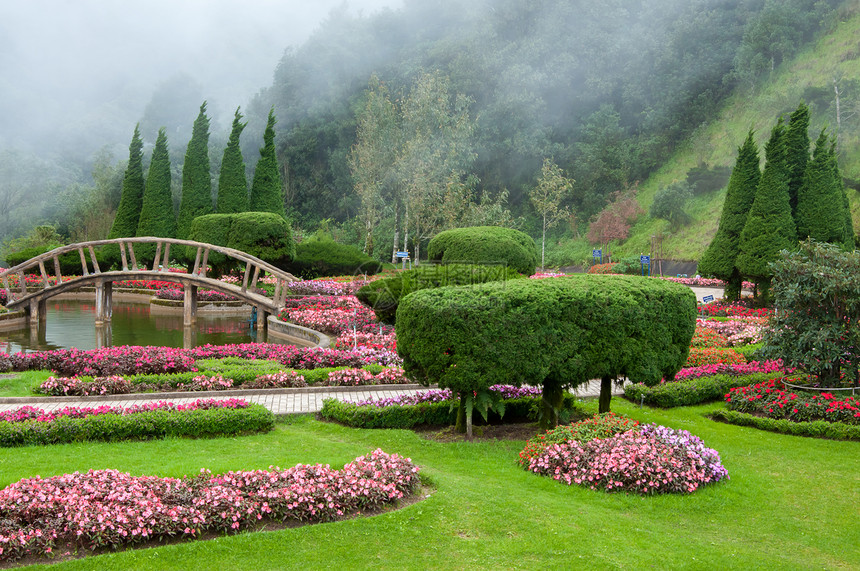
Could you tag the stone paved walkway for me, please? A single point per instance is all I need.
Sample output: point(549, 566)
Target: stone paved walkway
point(279, 401)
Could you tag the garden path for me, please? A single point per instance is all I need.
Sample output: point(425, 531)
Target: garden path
point(279, 401)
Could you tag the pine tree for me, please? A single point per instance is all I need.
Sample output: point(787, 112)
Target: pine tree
point(797, 152)
point(820, 213)
point(267, 191)
point(769, 227)
point(847, 241)
point(196, 179)
point(719, 260)
point(232, 184)
point(128, 212)
point(156, 214)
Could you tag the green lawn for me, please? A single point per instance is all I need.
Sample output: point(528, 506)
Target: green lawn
point(791, 503)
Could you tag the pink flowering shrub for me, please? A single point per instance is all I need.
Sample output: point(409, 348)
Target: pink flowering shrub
point(205, 383)
point(350, 377)
point(375, 340)
point(284, 379)
point(736, 331)
point(110, 509)
point(652, 460)
point(506, 392)
point(174, 294)
point(74, 386)
point(731, 369)
point(26, 413)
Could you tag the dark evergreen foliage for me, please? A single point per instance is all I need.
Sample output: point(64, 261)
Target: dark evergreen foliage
point(769, 227)
point(267, 190)
point(196, 179)
point(719, 260)
point(321, 256)
point(232, 184)
point(128, 213)
point(559, 332)
point(820, 210)
point(797, 152)
point(156, 215)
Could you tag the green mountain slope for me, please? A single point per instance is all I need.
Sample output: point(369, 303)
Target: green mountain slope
point(810, 77)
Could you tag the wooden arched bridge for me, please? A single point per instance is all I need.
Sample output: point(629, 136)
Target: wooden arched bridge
point(18, 296)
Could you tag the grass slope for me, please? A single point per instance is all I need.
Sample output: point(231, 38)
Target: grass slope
point(809, 76)
point(790, 504)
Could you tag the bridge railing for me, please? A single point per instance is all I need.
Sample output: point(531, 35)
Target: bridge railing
point(251, 274)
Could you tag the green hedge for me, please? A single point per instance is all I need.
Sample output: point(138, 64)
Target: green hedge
point(139, 426)
point(814, 429)
point(750, 352)
point(562, 331)
point(486, 245)
point(261, 234)
point(428, 414)
point(320, 256)
point(383, 296)
point(70, 262)
point(693, 391)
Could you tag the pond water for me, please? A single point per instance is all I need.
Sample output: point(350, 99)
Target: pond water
point(71, 323)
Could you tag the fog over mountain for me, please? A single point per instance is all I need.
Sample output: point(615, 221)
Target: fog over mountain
point(76, 75)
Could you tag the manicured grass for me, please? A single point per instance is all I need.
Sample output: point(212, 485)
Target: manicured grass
point(791, 503)
point(22, 384)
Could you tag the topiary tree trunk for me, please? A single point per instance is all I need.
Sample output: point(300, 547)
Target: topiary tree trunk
point(605, 394)
point(552, 399)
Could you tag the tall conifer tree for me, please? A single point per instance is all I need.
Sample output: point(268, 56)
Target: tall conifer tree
point(128, 212)
point(232, 184)
point(769, 227)
point(820, 213)
point(196, 179)
point(797, 152)
point(842, 197)
point(267, 190)
point(156, 215)
point(720, 258)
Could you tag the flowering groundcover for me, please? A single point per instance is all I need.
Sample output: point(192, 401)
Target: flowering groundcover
point(109, 509)
point(772, 400)
point(647, 460)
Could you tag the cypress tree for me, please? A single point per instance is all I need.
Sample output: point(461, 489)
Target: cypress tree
point(128, 211)
point(842, 198)
point(232, 185)
point(156, 213)
point(720, 258)
point(769, 227)
point(820, 213)
point(196, 182)
point(797, 152)
point(267, 191)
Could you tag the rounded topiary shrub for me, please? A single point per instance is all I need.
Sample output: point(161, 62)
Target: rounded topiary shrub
point(486, 245)
point(383, 296)
point(321, 256)
point(263, 235)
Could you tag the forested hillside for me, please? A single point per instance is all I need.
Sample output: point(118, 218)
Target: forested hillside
point(609, 91)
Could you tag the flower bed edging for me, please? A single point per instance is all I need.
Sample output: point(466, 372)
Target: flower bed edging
point(814, 429)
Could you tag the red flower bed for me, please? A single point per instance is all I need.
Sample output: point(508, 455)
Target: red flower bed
point(773, 400)
point(712, 356)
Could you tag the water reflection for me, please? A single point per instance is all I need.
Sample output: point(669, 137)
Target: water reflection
point(71, 323)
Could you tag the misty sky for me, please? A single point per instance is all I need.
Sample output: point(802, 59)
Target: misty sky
point(81, 60)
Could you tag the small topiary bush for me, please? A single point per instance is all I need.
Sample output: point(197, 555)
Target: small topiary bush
point(485, 245)
point(384, 295)
point(321, 256)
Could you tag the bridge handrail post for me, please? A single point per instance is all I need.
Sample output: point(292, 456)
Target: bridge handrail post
point(122, 256)
point(83, 261)
point(155, 262)
point(96, 269)
point(57, 269)
point(134, 267)
point(197, 260)
point(44, 273)
point(166, 255)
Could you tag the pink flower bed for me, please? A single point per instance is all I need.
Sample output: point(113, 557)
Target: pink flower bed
point(349, 340)
point(735, 369)
point(335, 315)
point(439, 395)
point(108, 508)
point(737, 331)
point(654, 459)
point(26, 413)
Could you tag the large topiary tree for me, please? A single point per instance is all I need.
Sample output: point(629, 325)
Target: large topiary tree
point(797, 152)
point(156, 214)
point(820, 207)
point(769, 227)
point(719, 260)
point(232, 184)
point(196, 178)
point(128, 212)
point(485, 245)
point(267, 189)
point(558, 333)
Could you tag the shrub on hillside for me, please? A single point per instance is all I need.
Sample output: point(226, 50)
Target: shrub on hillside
point(383, 296)
point(485, 245)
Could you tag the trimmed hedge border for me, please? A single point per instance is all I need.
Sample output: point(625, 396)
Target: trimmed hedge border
point(814, 429)
point(201, 423)
point(427, 413)
point(693, 391)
